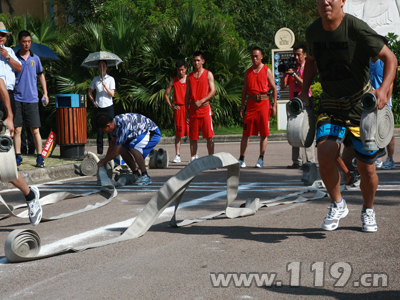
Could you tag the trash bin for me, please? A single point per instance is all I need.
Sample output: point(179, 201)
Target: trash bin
point(71, 125)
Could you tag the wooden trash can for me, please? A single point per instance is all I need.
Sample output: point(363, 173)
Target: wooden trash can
point(71, 131)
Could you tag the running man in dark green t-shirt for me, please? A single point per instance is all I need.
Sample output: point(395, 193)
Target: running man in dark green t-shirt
point(340, 48)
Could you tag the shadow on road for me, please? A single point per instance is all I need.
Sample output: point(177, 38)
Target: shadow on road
point(310, 291)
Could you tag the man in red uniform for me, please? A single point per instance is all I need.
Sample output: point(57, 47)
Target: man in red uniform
point(257, 82)
point(199, 92)
point(178, 83)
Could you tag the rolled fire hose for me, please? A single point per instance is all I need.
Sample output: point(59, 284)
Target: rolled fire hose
point(3, 126)
point(8, 170)
point(301, 123)
point(376, 125)
point(89, 167)
point(158, 159)
point(24, 245)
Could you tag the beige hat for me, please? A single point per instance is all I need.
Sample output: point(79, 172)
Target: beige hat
point(3, 28)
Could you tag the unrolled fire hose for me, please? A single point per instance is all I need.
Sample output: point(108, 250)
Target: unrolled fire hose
point(301, 123)
point(376, 125)
point(24, 245)
point(8, 170)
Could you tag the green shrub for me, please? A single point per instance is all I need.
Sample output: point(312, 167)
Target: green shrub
point(316, 91)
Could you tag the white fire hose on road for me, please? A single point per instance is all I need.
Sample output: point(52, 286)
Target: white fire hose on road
point(24, 245)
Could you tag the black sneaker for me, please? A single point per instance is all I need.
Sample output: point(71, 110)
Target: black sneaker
point(40, 162)
point(294, 166)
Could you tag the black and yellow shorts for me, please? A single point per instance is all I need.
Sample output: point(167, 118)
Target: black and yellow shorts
point(334, 128)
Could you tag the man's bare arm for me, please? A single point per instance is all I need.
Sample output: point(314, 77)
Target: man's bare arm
point(211, 93)
point(244, 95)
point(5, 98)
point(90, 94)
point(43, 83)
point(166, 94)
point(112, 152)
point(274, 91)
point(389, 73)
point(283, 82)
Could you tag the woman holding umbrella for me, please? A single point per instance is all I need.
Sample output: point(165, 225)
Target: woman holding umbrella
point(104, 85)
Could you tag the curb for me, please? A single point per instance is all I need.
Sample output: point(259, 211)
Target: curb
point(37, 176)
point(231, 138)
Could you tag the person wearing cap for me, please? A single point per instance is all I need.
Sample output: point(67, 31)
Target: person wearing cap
point(9, 64)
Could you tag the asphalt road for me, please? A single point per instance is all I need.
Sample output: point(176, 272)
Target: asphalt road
point(281, 251)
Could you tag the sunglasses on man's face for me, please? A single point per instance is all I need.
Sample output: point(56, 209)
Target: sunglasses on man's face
point(3, 34)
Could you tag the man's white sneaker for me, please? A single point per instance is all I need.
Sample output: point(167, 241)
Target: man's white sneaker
point(388, 164)
point(242, 163)
point(34, 207)
point(177, 159)
point(331, 221)
point(260, 163)
point(378, 163)
point(143, 180)
point(368, 220)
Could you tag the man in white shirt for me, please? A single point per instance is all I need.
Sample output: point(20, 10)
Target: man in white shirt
point(104, 85)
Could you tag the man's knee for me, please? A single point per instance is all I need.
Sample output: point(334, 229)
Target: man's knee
point(366, 170)
point(17, 131)
point(245, 138)
point(35, 131)
point(327, 152)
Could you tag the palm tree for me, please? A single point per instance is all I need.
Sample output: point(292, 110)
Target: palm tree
point(154, 67)
point(9, 4)
point(118, 34)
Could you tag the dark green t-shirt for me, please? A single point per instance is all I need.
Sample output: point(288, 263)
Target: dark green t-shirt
point(343, 55)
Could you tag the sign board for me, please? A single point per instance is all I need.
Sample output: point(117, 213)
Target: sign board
point(278, 56)
point(284, 40)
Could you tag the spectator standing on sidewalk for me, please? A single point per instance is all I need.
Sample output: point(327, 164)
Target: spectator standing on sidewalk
point(104, 85)
point(178, 83)
point(200, 89)
point(294, 78)
point(26, 96)
point(258, 81)
point(9, 64)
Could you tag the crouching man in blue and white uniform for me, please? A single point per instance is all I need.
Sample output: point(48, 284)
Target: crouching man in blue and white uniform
point(132, 135)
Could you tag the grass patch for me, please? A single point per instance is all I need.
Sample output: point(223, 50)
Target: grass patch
point(29, 161)
point(223, 130)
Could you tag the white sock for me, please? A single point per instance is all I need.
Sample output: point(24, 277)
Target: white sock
point(340, 204)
